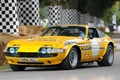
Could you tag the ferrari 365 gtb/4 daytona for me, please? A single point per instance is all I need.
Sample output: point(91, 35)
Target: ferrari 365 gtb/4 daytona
point(63, 45)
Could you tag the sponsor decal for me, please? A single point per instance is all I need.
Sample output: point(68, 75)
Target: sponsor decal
point(70, 42)
point(84, 46)
point(46, 39)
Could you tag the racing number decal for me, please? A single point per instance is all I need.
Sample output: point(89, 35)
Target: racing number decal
point(95, 47)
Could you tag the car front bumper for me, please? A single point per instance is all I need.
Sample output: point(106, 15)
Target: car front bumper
point(46, 61)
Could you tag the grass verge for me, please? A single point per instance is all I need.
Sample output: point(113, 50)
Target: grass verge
point(110, 33)
point(4, 67)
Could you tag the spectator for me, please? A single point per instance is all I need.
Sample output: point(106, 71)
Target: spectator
point(119, 29)
point(44, 24)
point(90, 23)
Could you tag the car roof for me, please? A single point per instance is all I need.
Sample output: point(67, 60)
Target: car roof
point(66, 25)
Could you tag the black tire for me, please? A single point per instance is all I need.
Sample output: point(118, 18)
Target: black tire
point(17, 67)
point(71, 61)
point(108, 57)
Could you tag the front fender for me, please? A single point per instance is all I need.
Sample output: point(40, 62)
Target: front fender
point(68, 48)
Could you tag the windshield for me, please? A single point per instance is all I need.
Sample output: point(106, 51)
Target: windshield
point(65, 31)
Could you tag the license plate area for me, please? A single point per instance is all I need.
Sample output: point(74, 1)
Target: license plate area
point(28, 59)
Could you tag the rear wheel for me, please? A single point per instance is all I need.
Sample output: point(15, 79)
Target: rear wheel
point(17, 67)
point(108, 57)
point(71, 61)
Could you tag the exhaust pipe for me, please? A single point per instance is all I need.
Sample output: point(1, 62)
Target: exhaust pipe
point(100, 59)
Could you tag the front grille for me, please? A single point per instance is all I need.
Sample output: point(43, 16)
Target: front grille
point(28, 55)
point(36, 55)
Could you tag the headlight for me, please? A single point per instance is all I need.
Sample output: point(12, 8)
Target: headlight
point(12, 51)
point(58, 50)
point(45, 50)
point(49, 50)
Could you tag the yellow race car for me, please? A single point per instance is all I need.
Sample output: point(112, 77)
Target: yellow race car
point(62, 45)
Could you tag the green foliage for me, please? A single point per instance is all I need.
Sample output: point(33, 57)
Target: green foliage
point(110, 33)
point(66, 4)
point(94, 7)
point(42, 5)
point(4, 67)
point(52, 2)
point(110, 11)
point(70, 4)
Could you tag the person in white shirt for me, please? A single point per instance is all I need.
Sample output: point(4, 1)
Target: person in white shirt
point(119, 29)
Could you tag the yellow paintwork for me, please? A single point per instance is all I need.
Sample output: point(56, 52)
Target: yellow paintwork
point(33, 45)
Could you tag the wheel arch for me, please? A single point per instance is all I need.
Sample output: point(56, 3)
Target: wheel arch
point(77, 48)
point(110, 43)
point(79, 52)
point(105, 60)
point(65, 64)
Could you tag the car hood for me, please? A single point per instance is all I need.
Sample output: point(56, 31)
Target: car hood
point(35, 43)
point(54, 40)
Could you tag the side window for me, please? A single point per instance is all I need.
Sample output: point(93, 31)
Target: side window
point(93, 32)
point(101, 34)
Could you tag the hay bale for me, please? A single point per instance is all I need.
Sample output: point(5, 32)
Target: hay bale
point(4, 39)
point(2, 55)
point(24, 32)
point(30, 30)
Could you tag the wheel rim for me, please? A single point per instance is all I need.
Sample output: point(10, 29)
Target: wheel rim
point(73, 58)
point(110, 56)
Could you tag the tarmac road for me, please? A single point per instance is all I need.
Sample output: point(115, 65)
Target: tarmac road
point(91, 72)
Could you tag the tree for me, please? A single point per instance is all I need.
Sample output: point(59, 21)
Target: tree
point(42, 5)
point(110, 11)
point(94, 7)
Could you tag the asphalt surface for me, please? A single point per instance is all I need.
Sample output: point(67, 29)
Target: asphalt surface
point(91, 72)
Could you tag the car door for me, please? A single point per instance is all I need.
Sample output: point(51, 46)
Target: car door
point(96, 42)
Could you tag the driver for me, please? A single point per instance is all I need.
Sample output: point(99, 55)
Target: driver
point(81, 34)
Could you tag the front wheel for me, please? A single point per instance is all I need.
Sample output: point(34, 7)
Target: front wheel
point(17, 67)
point(71, 61)
point(108, 57)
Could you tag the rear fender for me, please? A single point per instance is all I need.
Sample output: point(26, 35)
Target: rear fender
point(106, 47)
